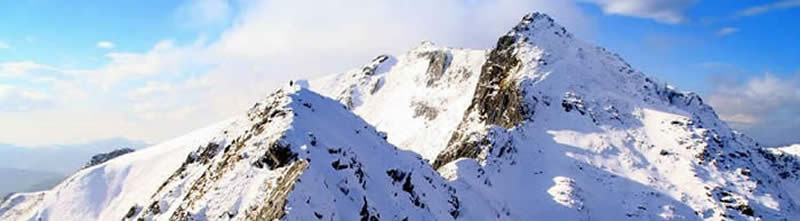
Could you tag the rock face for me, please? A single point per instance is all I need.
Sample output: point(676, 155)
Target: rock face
point(438, 63)
point(543, 126)
point(497, 99)
point(103, 157)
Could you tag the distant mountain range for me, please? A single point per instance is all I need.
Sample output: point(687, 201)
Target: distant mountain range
point(19, 180)
point(39, 168)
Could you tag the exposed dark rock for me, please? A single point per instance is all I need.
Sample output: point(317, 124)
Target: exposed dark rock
point(365, 214)
point(348, 102)
point(497, 100)
point(337, 165)
point(370, 69)
point(422, 109)
point(744, 172)
point(131, 212)
point(438, 62)
point(746, 210)
point(464, 73)
point(335, 151)
point(408, 186)
point(313, 138)
point(273, 206)
point(383, 135)
point(278, 155)
point(155, 208)
point(377, 85)
point(571, 102)
point(464, 149)
point(786, 165)
point(205, 154)
point(456, 206)
point(359, 173)
point(396, 175)
point(103, 157)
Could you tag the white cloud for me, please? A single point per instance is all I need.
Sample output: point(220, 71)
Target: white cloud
point(290, 33)
point(16, 99)
point(162, 58)
point(727, 31)
point(151, 87)
point(665, 11)
point(761, 9)
point(21, 68)
point(763, 106)
point(105, 44)
point(201, 13)
point(5, 90)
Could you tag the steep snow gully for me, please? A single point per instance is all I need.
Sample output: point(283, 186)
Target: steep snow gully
point(541, 127)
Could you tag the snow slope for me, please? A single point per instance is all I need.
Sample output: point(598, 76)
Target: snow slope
point(283, 157)
point(543, 126)
point(420, 96)
point(105, 191)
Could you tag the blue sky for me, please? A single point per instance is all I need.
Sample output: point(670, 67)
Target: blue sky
point(66, 32)
point(687, 53)
point(84, 70)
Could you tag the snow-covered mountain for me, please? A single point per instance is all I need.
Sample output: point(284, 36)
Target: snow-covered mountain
point(543, 126)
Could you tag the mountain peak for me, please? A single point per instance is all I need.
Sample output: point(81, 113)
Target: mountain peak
point(538, 25)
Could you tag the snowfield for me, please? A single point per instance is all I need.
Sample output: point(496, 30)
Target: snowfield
point(104, 191)
point(541, 127)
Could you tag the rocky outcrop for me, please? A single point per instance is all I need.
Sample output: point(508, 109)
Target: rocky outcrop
point(497, 99)
point(273, 207)
point(786, 165)
point(103, 157)
point(424, 110)
point(277, 155)
point(438, 62)
point(366, 82)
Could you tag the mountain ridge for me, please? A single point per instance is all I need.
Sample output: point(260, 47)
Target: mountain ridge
point(543, 125)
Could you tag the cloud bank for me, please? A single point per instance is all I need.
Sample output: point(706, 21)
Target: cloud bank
point(765, 107)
